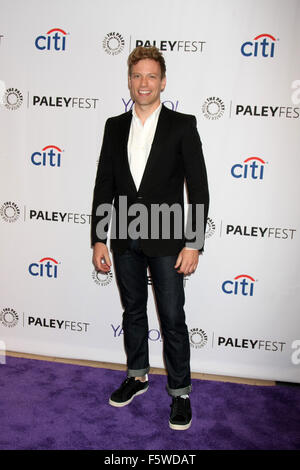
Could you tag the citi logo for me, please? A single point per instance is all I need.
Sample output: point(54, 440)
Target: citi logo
point(49, 156)
point(242, 284)
point(55, 39)
point(251, 168)
point(259, 48)
point(46, 267)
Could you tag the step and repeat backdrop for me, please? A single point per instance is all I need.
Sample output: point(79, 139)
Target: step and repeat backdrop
point(235, 66)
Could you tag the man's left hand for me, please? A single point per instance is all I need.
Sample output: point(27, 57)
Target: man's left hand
point(187, 261)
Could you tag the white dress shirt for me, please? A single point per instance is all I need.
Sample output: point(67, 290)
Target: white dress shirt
point(139, 143)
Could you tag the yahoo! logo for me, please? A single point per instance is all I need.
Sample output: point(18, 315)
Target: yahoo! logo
point(55, 39)
point(46, 267)
point(49, 156)
point(173, 105)
point(153, 334)
point(251, 168)
point(264, 48)
point(242, 284)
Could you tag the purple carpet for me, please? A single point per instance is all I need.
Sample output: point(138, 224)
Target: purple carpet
point(48, 405)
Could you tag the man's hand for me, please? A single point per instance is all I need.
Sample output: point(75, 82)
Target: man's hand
point(101, 257)
point(187, 261)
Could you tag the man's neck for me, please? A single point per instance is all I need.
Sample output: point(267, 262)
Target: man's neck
point(143, 112)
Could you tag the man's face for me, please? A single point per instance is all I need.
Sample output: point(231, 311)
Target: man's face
point(145, 83)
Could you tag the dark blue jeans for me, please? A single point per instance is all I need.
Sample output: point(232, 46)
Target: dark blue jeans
point(131, 273)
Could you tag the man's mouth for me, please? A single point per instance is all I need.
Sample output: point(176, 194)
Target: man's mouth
point(144, 92)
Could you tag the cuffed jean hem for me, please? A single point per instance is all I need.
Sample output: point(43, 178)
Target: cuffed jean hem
point(176, 392)
point(138, 372)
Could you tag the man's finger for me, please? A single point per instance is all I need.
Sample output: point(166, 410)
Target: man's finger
point(106, 260)
point(178, 261)
point(183, 268)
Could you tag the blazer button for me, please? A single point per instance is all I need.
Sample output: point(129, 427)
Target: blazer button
point(140, 197)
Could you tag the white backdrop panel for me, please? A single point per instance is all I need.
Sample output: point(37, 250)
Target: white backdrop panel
point(242, 304)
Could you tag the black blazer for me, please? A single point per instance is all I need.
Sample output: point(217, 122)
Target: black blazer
point(176, 156)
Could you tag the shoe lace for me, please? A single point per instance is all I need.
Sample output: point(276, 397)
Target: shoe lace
point(178, 406)
point(128, 380)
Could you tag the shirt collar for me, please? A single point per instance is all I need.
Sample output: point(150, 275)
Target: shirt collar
point(152, 115)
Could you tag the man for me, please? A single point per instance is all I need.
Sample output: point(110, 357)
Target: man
point(146, 155)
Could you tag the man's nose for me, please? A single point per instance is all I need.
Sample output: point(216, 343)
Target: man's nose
point(144, 81)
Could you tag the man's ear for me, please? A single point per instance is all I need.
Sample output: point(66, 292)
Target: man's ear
point(163, 83)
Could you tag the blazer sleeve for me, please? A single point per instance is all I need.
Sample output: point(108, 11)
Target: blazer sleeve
point(104, 190)
point(197, 184)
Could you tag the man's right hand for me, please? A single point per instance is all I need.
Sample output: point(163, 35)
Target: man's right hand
point(101, 259)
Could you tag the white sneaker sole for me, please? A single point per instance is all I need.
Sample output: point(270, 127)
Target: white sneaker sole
point(124, 403)
point(180, 427)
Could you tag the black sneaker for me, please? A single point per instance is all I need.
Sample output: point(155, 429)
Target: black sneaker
point(129, 389)
point(181, 413)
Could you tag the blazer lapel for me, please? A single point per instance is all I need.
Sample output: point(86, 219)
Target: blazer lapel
point(124, 135)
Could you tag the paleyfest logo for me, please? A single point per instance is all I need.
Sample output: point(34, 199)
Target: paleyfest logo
point(278, 233)
point(188, 46)
point(213, 108)
point(102, 279)
point(198, 338)
point(210, 228)
point(10, 98)
point(266, 111)
point(9, 211)
point(71, 102)
point(113, 43)
point(9, 317)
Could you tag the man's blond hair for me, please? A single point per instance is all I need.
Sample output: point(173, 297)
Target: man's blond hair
point(140, 53)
